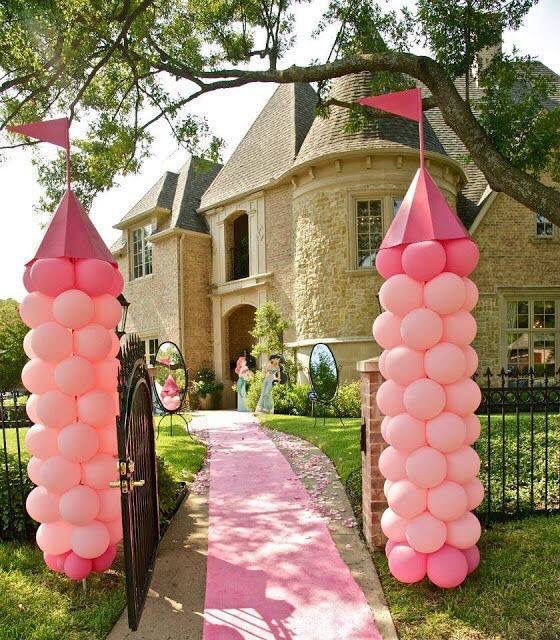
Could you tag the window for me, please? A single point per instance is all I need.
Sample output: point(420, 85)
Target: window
point(151, 346)
point(396, 204)
point(532, 336)
point(545, 229)
point(141, 252)
point(369, 231)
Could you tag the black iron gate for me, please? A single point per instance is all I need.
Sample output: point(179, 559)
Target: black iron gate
point(138, 476)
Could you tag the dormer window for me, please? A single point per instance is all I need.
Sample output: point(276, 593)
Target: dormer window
point(545, 229)
point(141, 251)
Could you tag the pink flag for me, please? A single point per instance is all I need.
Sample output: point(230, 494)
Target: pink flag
point(407, 104)
point(53, 131)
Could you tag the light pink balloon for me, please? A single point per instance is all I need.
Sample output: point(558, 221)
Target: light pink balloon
point(51, 342)
point(463, 532)
point(461, 256)
point(400, 294)
point(388, 261)
point(40, 441)
point(118, 283)
point(471, 361)
point(54, 537)
point(90, 540)
point(42, 505)
point(406, 564)
point(93, 342)
point(106, 373)
point(56, 409)
point(406, 433)
point(96, 408)
point(108, 441)
point(383, 427)
point(73, 309)
point(389, 546)
point(115, 345)
point(108, 311)
point(445, 363)
point(390, 398)
point(75, 375)
point(27, 345)
point(423, 260)
point(38, 376)
point(393, 526)
point(105, 560)
point(406, 499)
point(462, 465)
point(77, 568)
point(475, 493)
point(405, 365)
point(27, 280)
point(424, 399)
point(79, 505)
point(462, 397)
point(472, 556)
point(426, 467)
point(392, 464)
point(58, 474)
point(445, 293)
point(381, 361)
point(387, 330)
point(31, 407)
point(52, 276)
point(459, 328)
point(447, 501)
point(35, 309)
point(115, 530)
point(95, 277)
point(100, 471)
point(421, 329)
point(78, 442)
point(55, 563)
point(471, 297)
point(473, 428)
point(447, 568)
point(446, 432)
point(109, 505)
point(386, 486)
point(425, 533)
point(34, 467)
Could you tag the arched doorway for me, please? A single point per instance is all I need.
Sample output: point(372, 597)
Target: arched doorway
point(238, 325)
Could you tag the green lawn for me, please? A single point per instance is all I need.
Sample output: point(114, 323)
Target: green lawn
point(183, 455)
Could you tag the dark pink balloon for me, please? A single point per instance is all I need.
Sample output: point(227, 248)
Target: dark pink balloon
point(95, 277)
point(117, 285)
point(55, 562)
point(76, 567)
point(388, 261)
point(52, 276)
point(105, 560)
point(461, 256)
point(447, 567)
point(472, 556)
point(27, 280)
point(423, 260)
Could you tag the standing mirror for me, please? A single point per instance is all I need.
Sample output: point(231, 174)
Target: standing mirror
point(170, 379)
point(323, 374)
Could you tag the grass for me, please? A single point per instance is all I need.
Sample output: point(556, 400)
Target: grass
point(183, 455)
point(513, 594)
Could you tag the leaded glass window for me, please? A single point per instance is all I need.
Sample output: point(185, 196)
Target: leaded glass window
point(369, 231)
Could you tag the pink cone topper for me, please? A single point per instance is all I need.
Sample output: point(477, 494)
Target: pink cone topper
point(428, 397)
point(74, 281)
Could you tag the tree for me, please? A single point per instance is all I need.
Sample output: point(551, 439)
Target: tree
point(268, 330)
point(12, 355)
point(120, 67)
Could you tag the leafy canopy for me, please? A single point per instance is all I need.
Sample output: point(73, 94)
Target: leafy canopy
point(268, 330)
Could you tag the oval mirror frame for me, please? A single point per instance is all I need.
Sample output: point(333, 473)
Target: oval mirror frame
point(322, 348)
point(170, 378)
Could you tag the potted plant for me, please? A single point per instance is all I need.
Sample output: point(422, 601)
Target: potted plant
point(207, 388)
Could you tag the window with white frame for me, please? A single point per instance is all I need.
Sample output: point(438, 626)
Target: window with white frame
point(141, 251)
point(151, 346)
point(545, 229)
point(369, 231)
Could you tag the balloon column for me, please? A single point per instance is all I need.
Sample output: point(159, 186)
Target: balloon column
point(72, 311)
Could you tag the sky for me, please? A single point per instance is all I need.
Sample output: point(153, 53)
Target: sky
point(229, 114)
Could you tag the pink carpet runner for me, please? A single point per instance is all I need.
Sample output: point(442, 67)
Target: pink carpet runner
point(274, 572)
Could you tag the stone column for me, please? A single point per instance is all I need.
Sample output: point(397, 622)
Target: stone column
point(373, 498)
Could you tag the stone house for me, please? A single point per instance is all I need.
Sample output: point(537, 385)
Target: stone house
point(296, 216)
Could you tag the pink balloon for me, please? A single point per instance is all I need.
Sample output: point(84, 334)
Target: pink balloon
point(406, 564)
point(447, 568)
point(423, 260)
point(108, 311)
point(34, 467)
point(393, 526)
point(92, 342)
point(388, 261)
point(445, 293)
point(38, 376)
point(56, 409)
point(35, 309)
point(463, 532)
point(109, 505)
point(95, 277)
point(51, 342)
point(426, 467)
point(77, 568)
point(96, 408)
point(105, 560)
point(424, 399)
point(461, 256)
point(54, 537)
point(73, 309)
point(90, 540)
point(445, 363)
point(100, 471)
point(462, 465)
point(406, 433)
point(462, 397)
point(78, 442)
point(117, 285)
point(55, 563)
point(459, 328)
point(387, 330)
point(42, 505)
point(382, 360)
point(27, 345)
point(405, 365)
point(115, 530)
point(31, 407)
point(425, 533)
point(74, 375)
point(115, 345)
point(27, 280)
point(383, 427)
point(108, 441)
point(471, 297)
point(447, 501)
point(400, 294)
point(392, 464)
point(106, 373)
point(390, 398)
point(406, 499)
point(386, 486)
point(472, 556)
point(40, 441)
point(52, 276)
point(446, 432)
point(475, 493)
point(473, 428)
point(421, 329)
point(471, 361)
point(79, 505)
point(389, 546)
point(58, 474)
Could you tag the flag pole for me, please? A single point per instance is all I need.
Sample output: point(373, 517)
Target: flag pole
point(421, 129)
point(68, 156)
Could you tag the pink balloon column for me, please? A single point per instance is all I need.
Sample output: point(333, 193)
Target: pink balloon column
point(72, 311)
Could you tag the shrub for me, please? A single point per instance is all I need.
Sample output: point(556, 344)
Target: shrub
point(348, 400)
point(254, 391)
point(205, 383)
point(13, 517)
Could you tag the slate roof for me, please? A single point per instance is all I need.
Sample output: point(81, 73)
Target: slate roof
point(160, 195)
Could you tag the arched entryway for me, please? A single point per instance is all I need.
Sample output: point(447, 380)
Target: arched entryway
point(238, 325)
